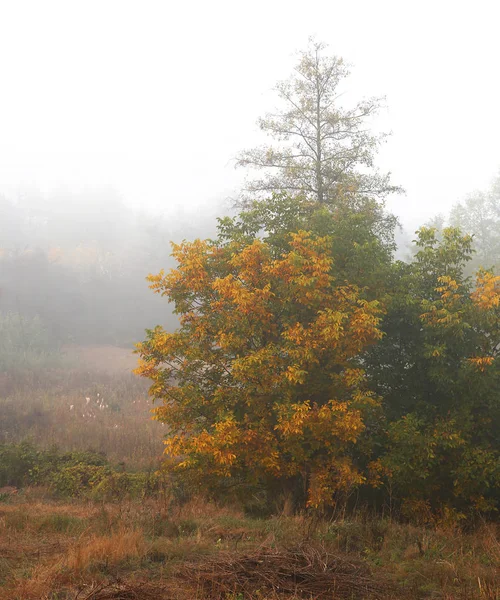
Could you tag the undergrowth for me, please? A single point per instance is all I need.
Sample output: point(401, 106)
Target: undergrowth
point(54, 549)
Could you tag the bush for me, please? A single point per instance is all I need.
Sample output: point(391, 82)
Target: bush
point(115, 486)
point(73, 474)
point(16, 463)
point(77, 480)
point(67, 473)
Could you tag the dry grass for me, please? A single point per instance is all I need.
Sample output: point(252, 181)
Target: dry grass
point(83, 406)
point(105, 550)
point(195, 551)
point(307, 571)
point(80, 559)
point(144, 590)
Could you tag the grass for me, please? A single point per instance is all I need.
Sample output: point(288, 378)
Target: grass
point(57, 550)
point(83, 407)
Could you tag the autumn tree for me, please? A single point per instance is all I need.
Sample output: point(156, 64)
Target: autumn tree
point(323, 151)
point(262, 381)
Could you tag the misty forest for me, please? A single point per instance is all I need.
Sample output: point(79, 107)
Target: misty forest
point(289, 394)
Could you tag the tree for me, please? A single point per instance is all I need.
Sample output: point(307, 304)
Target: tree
point(325, 152)
point(262, 382)
point(437, 368)
point(479, 215)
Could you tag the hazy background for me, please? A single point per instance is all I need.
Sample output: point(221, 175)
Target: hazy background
point(120, 121)
point(154, 98)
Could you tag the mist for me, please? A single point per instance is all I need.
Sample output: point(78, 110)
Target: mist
point(121, 127)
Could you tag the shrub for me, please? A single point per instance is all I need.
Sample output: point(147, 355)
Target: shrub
point(16, 462)
point(77, 480)
point(115, 486)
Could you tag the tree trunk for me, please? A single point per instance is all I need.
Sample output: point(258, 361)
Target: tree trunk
point(319, 153)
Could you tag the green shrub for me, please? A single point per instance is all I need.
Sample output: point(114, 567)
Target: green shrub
point(77, 480)
point(74, 474)
point(16, 462)
point(116, 486)
point(69, 473)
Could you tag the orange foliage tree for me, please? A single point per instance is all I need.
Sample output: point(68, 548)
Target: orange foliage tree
point(262, 381)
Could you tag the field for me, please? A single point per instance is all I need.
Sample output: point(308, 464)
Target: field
point(161, 546)
point(154, 549)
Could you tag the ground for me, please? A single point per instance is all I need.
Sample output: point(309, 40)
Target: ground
point(159, 549)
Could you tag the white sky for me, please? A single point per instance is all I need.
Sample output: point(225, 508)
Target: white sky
point(156, 97)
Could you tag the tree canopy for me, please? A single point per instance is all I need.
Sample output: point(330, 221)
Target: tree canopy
point(437, 370)
point(262, 378)
point(295, 370)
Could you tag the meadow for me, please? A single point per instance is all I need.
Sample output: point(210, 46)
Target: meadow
point(87, 397)
point(158, 549)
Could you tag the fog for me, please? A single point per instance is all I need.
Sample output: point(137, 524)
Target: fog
point(120, 123)
point(155, 99)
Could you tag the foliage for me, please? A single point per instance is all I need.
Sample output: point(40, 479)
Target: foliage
point(16, 461)
point(437, 368)
point(262, 380)
point(325, 152)
point(74, 480)
point(117, 486)
point(361, 239)
point(70, 474)
point(284, 352)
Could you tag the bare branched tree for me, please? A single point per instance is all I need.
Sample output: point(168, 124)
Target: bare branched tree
point(324, 151)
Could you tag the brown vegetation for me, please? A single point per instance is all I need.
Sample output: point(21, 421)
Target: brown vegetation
point(308, 571)
point(156, 549)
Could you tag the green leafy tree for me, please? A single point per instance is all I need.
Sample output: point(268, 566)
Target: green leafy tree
point(437, 369)
point(361, 240)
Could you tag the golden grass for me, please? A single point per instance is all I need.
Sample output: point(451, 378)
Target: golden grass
point(109, 550)
point(196, 549)
point(80, 560)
